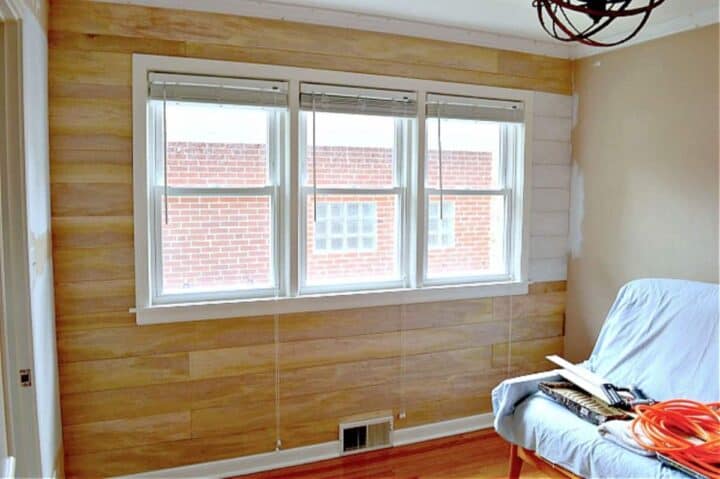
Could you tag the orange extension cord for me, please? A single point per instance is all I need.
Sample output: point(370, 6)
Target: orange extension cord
point(686, 431)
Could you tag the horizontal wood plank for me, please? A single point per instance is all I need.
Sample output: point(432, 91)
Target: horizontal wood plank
point(126, 403)
point(94, 264)
point(247, 389)
point(326, 324)
point(430, 340)
point(86, 345)
point(91, 199)
point(122, 373)
point(318, 352)
point(446, 313)
point(164, 455)
point(123, 433)
point(92, 297)
point(335, 377)
point(240, 418)
point(232, 361)
point(72, 232)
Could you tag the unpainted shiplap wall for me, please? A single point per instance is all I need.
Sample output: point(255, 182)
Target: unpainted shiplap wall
point(137, 398)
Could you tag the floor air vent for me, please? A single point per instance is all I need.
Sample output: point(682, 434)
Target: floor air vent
point(367, 435)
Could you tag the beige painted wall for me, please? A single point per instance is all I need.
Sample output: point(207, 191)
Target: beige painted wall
point(646, 147)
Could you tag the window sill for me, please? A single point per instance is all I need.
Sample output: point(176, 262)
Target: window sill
point(323, 302)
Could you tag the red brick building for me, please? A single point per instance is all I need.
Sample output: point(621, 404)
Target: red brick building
point(218, 242)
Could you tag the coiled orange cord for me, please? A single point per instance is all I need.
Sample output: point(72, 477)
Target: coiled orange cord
point(684, 430)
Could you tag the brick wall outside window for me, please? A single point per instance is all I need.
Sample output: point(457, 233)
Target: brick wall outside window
point(224, 242)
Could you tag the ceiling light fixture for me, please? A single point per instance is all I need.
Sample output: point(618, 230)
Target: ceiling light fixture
point(580, 20)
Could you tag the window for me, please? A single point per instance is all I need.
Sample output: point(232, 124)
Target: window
point(469, 185)
point(353, 166)
point(346, 226)
point(215, 153)
point(441, 231)
point(262, 189)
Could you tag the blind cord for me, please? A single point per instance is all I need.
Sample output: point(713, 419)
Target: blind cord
point(509, 340)
point(440, 169)
point(276, 333)
point(165, 155)
point(314, 163)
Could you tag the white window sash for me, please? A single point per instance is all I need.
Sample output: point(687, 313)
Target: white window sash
point(506, 191)
point(158, 189)
point(399, 190)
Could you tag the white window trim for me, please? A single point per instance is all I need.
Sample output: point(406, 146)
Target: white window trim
point(414, 242)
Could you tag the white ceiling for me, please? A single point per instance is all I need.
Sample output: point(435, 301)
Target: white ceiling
point(507, 17)
point(511, 24)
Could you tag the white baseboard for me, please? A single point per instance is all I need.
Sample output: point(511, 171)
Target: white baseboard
point(314, 453)
point(436, 430)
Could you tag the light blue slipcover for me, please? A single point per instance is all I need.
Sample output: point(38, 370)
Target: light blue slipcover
point(662, 335)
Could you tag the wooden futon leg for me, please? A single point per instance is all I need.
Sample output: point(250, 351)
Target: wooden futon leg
point(515, 463)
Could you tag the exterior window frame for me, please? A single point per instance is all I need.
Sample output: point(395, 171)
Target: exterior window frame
point(289, 295)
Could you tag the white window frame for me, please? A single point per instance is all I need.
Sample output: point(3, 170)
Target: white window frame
point(398, 189)
point(272, 190)
point(289, 297)
point(508, 183)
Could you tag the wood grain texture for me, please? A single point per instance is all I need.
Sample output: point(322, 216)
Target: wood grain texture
point(121, 373)
point(138, 398)
point(122, 433)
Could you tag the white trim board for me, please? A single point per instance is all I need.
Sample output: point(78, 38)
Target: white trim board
point(314, 453)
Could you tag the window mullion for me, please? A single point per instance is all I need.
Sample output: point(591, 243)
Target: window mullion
point(420, 197)
point(293, 198)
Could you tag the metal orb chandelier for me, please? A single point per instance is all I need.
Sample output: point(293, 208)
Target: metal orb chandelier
point(580, 20)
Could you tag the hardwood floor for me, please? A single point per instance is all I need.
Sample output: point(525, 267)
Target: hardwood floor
point(481, 454)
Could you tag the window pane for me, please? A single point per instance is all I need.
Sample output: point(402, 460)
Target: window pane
point(352, 254)
point(441, 232)
point(354, 151)
point(214, 243)
point(471, 153)
point(210, 145)
point(475, 245)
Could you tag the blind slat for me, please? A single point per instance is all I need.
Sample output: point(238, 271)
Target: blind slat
point(206, 89)
point(467, 108)
point(367, 101)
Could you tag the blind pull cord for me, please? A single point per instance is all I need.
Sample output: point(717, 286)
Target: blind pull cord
point(165, 155)
point(276, 334)
point(314, 163)
point(440, 159)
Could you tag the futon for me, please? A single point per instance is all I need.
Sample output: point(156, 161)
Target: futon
point(661, 335)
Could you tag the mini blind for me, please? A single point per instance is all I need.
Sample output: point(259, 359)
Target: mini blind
point(469, 108)
point(206, 89)
point(367, 101)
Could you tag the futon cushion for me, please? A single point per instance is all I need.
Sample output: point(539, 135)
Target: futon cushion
point(663, 335)
point(553, 432)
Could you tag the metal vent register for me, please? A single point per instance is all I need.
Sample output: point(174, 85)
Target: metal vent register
point(366, 435)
